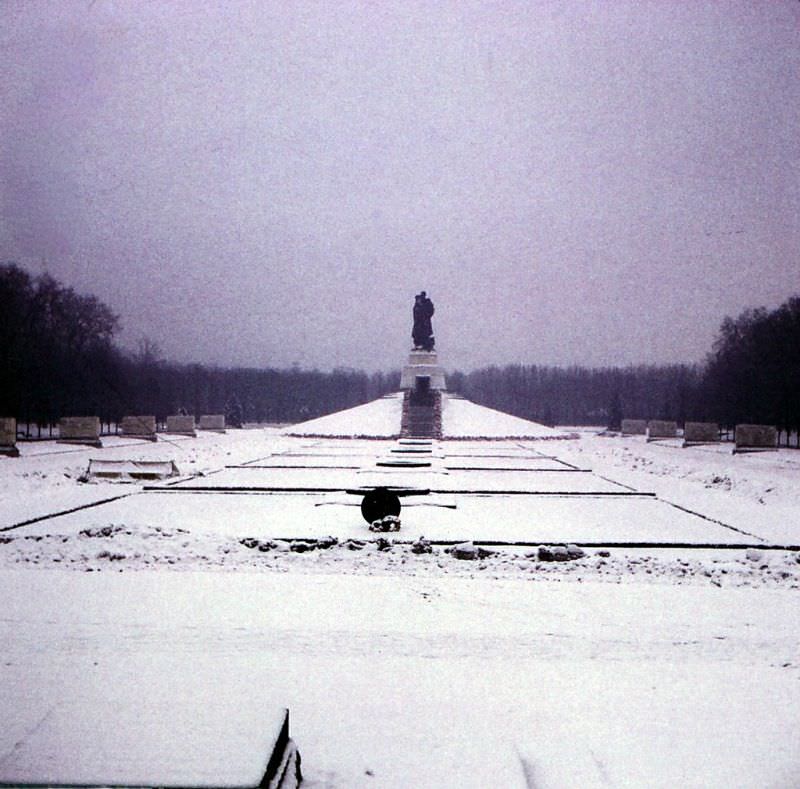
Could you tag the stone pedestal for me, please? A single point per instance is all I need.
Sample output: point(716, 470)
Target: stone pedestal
point(79, 430)
point(182, 424)
point(8, 437)
point(215, 422)
point(424, 364)
point(751, 438)
point(139, 427)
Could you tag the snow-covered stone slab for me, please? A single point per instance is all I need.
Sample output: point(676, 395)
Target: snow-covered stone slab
point(181, 424)
point(437, 681)
point(755, 437)
point(22, 509)
point(8, 437)
point(525, 519)
point(344, 449)
point(323, 479)
point(139, 426)
point(700, 433)
point(254, 478)
point(209, 740)
point(659, 428)
point(634, 427)
point(405, 462)
point(80, 430)
point(512, 463)
point(132, 469)
point(215, 422)
point(306, 461)
point(327, 456)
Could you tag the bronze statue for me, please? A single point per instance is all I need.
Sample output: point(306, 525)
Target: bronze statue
point(422, 333)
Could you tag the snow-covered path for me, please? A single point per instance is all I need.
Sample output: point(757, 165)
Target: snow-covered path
point(395, 681)
point(645, 667)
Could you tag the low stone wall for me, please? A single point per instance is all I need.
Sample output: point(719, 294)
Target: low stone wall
point(700, 433)
point(79, 430)
point(141, 426)
point(658, 428)
point(8, 436)
point(181, 423)
point(634, 427)
point(755, 437)
point(212, 422)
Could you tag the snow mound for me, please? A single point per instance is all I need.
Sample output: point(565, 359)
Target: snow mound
point(378, 419)
point(464, 419)
point(460, 419)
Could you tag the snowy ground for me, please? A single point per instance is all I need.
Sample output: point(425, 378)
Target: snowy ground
point(648, 666)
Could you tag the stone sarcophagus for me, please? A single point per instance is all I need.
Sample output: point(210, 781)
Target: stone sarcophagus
point(80, 430)
point(659, 428)
point(139, 426)
point(700, 433)
point(754, 438)
point(182, 424)
point(8, 436)
point(212, 422)
point(634, 427)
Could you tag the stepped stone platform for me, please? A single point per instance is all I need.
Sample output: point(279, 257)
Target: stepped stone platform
point(209, 740)
point(498, 492)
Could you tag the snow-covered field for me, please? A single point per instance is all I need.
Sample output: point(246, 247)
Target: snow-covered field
point(656, 665)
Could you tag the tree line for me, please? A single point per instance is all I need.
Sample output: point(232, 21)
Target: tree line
point(751, 375)
point(586, 396)
point(58, 357)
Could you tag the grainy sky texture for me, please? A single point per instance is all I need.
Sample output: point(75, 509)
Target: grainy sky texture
point(264, 183)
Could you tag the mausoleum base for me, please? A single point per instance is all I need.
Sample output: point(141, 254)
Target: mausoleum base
point(424, 364)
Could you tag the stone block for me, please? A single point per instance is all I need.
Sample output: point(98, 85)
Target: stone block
point(129, 470)
point(755, 437)
point(423, 357)
point(140, 426)
point(700, 433)
point(408, 377)
point(79, 430)
point(657, 428)
point(423, 364)
point(634, 427)
point(8, 436)
point(212, 422)
point(175, 741)
point(181, 423)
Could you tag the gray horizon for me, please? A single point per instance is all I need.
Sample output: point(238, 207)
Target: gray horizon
point(254, 184)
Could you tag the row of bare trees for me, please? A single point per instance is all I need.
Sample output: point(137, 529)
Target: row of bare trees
point(753, 371)
point(58, 357)
point(752, 374)
point(56, 348)
point(584, 396)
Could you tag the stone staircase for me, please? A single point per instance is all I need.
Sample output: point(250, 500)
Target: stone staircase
point(422, 414)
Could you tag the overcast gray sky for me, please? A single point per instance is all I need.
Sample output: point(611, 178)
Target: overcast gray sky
point(265, 183)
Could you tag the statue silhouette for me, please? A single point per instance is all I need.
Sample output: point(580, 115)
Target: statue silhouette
point(422, 333)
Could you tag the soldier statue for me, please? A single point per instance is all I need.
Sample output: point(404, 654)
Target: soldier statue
point(422, 333)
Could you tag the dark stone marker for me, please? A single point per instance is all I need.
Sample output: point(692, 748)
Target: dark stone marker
point(378, 504)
